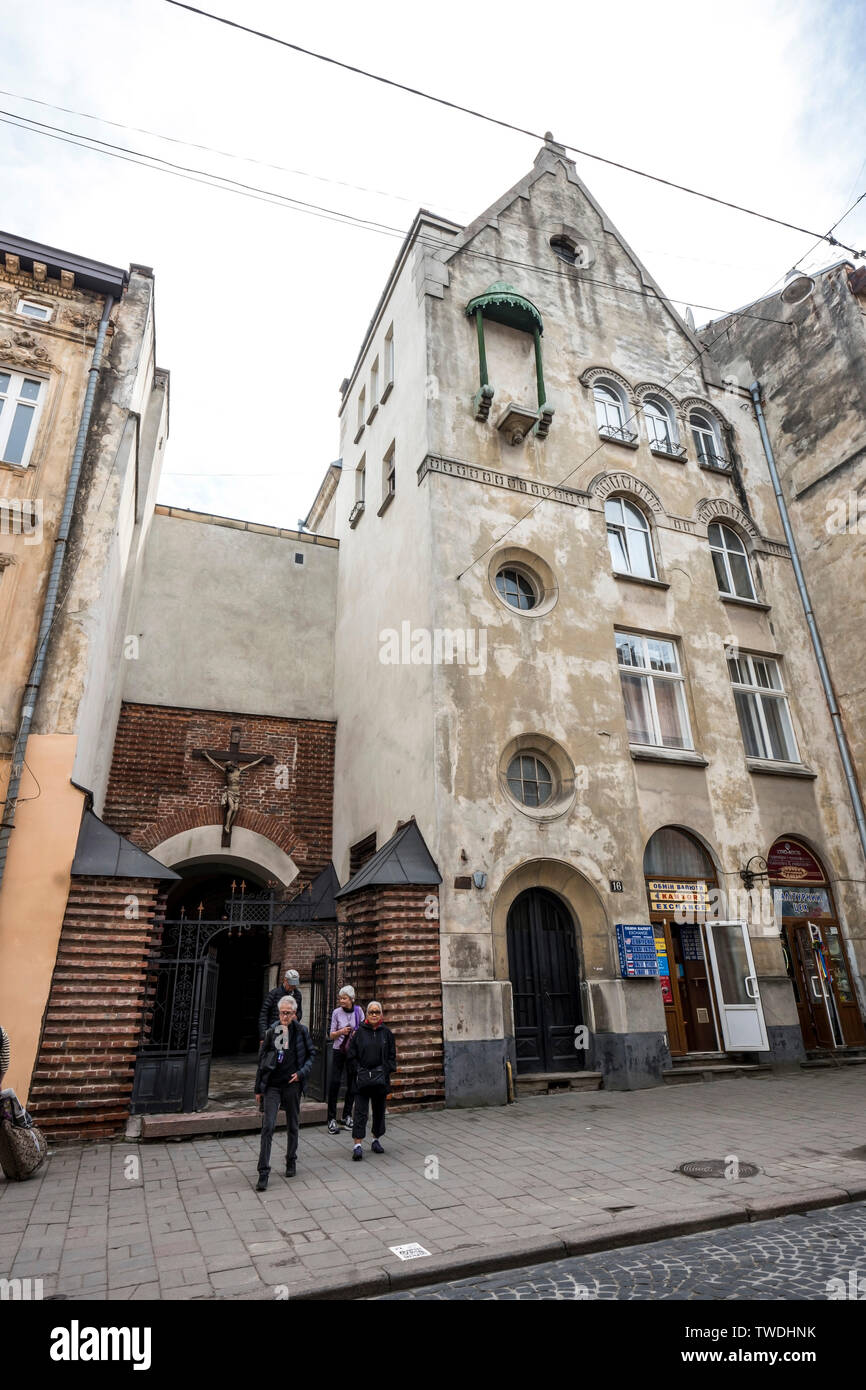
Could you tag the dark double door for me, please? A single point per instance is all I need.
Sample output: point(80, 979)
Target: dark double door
point(542, 964)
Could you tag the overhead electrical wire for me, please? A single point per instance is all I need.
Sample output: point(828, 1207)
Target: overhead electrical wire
point(505, 125)
point(211, 179)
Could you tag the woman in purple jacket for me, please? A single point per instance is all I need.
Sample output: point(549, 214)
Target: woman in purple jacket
point(345, 1020)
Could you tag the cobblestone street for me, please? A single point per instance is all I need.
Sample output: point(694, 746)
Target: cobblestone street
point(550, 1177)
point(794, 1257)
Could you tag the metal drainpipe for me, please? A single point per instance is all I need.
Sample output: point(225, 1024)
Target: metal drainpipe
point(49, 608)
point(835, 715)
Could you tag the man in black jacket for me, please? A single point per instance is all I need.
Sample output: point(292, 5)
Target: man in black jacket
point(268, 1011)
point(374, 1053)
point(285, 1060)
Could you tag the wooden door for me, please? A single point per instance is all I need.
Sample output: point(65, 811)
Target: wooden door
point(671, 997)
point(542, 964)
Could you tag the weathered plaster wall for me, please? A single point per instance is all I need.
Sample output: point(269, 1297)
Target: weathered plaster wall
point(384, 757)
point(812, 370)
point(555, 675)
point(228, 619)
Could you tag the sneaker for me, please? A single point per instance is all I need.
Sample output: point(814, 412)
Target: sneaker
point(357, 1154)
point(332, 1127)
point(347, 1123)
point(262, 1184)
point(291, 1167)
point(377, 1147)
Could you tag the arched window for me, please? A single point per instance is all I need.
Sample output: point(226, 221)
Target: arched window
point(611, 412)
point(628, 536)
point(708, 440)
point(661, 429)
point(731, 561)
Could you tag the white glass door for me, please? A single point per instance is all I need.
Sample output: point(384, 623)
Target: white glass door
point(740, 1012)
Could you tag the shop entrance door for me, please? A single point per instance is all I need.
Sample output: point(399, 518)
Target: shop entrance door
point(832, 1018)
point(741, 1015)
point(685, 986)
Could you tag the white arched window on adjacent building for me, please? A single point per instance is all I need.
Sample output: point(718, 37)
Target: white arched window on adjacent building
point(628, 536)
point(660, 425)
point(731, 561)
point(612, 412)
point(707, 440)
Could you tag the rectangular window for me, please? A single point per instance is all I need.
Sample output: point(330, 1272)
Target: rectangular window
point(389, 363)
point(20, 402)
point(374, 389)
point(762, 708)
point(361, 479)
point(653, 690)
point(362, 413)
point(389, 473)
point(29, 310)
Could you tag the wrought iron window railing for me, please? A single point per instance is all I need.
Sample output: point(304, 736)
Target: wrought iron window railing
point(668, 448)
point(618, 432)
point(711, 458)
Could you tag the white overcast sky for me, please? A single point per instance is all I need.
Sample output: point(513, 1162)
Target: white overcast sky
point(260, 310)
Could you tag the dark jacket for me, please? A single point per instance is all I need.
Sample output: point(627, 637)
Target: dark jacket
point(270, 1010)
point(268, 1055)
point(373, 1047)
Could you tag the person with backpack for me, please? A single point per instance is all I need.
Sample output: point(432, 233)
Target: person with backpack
point(373, 1051)
point(345, 1022)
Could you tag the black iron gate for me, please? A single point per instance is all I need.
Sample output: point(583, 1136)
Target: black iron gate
point(172, 1071)
point(542, 963)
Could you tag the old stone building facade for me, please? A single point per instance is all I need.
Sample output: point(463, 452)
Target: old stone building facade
point(523, 731)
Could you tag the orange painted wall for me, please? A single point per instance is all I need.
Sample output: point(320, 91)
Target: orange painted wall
point(34, 893)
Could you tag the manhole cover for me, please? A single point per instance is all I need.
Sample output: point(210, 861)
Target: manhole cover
point(718, 1168)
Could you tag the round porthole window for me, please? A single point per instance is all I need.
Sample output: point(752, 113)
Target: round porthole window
point(516, 587)
point(537, 776)
point(530, 780)
point(522, 581)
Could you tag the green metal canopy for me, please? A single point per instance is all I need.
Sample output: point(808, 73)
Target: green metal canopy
point(502, 304)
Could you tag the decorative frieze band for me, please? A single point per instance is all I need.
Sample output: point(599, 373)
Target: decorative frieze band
point(493, 477)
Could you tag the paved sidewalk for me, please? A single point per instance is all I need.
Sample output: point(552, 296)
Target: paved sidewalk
point(479, 1189)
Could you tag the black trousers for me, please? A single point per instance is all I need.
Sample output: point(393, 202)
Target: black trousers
point(375, 1096)
point(342, 1068)
point(288, 1098)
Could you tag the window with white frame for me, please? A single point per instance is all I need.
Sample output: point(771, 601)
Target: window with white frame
point(30, 310)
point(20, 403)
point(361, 479)
point(611, 412)
point(653, 690)
point(388, 364)
point(707, 440)
point(389, 473)
point(628, 536)
point(762, 708)
point(362, 411)
point(731, 562)
point(661, 430)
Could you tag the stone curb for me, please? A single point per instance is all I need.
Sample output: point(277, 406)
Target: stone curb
point(580, 1240)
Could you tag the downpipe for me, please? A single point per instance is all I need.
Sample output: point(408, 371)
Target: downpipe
point(49, 607)
point(818, 646)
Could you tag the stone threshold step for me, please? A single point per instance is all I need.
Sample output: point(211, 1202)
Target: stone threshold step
point(722, 1072)
point(241, 1121)
point(555, 1082)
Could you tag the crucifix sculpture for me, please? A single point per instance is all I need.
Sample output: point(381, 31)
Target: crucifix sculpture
point(231, 764)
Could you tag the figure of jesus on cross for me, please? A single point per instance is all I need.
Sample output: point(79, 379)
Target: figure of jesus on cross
point(231, 765)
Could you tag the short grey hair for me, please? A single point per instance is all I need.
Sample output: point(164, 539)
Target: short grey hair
point(377, 1004)
point(287, 999)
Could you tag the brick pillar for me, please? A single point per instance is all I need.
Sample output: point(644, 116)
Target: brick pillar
point(392, 935)
point(82, 1081)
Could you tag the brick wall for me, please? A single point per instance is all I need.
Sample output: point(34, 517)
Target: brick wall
point(157, 788)
point(82, 1082)
point(392, 954)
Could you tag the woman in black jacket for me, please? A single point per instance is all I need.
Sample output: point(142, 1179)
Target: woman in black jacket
point(374, 1054)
